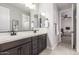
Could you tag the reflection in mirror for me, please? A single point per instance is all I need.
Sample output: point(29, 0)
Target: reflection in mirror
point(34, 19)
point(46, 23)
point(40, 22)
point(15, 25)
point(43, 22)
point(25, 22)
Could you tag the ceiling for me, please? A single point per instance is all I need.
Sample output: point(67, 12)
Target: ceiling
point(62, 6)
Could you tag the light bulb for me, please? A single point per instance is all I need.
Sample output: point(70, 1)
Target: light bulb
point(43, 14)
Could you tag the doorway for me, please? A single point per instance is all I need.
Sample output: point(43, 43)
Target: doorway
point(68, 25)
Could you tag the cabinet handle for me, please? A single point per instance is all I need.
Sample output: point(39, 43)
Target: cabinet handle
point(4, 53)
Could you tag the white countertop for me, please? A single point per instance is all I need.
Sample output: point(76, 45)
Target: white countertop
point(20, 35)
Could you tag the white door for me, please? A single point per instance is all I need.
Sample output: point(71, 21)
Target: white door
point(73, 41)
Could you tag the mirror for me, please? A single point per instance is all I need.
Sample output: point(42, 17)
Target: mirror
point(18, 17)
point(14, 17)
point(43, 22)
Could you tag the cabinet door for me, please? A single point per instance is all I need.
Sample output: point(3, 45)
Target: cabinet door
point(34, 42)
point(26, 49)
point(44, 41)
point(40, 43)
point(14, 51)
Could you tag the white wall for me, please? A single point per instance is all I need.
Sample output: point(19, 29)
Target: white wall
point(51, 13)
point(66, 22)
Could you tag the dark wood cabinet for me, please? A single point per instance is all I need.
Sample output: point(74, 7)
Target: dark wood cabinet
point(27, 46)
point(39, 44)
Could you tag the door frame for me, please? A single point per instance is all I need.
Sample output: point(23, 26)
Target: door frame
point(74, 25)
point(59, 38)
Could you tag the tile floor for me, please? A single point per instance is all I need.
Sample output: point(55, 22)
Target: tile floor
point(63, 48)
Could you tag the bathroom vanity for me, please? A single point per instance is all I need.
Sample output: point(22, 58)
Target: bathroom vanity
point(25, 46)
point(22, 32)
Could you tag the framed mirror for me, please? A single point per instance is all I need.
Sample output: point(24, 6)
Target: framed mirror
point(18, 17)
point(14, 17)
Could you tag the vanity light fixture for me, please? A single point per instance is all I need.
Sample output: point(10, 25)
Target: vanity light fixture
point(30, 5)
